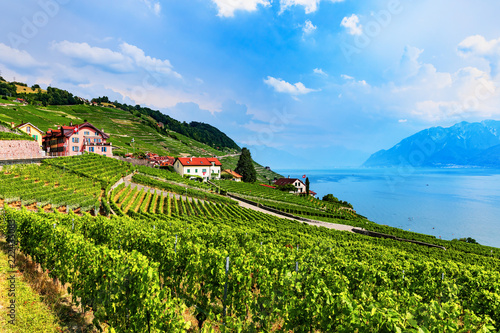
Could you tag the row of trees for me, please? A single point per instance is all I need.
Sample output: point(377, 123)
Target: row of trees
point(53, 96)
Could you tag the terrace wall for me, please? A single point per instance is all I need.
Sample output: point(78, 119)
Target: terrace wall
point(17, 149)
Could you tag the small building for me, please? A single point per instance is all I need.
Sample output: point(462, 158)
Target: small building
point(75, 139)
point(31, 130)
point(300, 187)
point(161, 161)
point(204, 167)
point(235, 176)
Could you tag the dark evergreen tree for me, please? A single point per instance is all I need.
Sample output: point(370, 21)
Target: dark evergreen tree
point(245, 166)
point(307, 185)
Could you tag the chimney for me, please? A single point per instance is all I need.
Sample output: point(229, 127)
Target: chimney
point(191, 159)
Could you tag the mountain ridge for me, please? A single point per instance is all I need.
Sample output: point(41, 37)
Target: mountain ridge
point(463, 144)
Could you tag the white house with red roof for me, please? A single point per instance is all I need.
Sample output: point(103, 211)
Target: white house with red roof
point(204, 167)
point(300, 187)
point(75, 139)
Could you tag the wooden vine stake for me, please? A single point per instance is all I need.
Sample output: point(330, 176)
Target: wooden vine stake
point(225, 289)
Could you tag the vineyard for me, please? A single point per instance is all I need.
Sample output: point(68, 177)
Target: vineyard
point(96, 167)
point(49, 187)
point(263, 273)
point(177, 257)
point(288, 202)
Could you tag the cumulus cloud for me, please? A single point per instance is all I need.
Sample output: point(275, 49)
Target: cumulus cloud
point(478, 46)
point(308, 27)
point(228, 7)
point(413, 73)
point(310, 6)
point(17, 58)
point(147, 62)
point(352, 25)
point(129, 59)
point(154, 6)
point(282, 86)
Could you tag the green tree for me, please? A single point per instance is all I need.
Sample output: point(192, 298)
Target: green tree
point(245, 166)
point(286, 188)
point(330, 198)
point(307, 185)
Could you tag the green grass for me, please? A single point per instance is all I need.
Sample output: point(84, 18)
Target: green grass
point(32, 315)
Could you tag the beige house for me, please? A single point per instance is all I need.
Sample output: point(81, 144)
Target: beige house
point(31, 130)
point(235, 176)
point(206, 168)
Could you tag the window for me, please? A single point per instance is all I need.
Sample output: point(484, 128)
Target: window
point(204, 170)
point(91, 149)
point(86, 133)
point(75, 140)
point(35, 136)
point(104, 149)
point(74, 148)
point(96, 134)
point(195, 170)
point(188, 170)
point(94, 140)
point(28, 129)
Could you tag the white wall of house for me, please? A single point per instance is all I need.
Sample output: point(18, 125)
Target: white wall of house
point(301, 187)
point(204, 171)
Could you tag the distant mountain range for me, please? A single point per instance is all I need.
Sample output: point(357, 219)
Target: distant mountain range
point(463, 144)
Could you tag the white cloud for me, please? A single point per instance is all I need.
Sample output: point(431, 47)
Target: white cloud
point(154, 6)
point(352, 25)
point(129, 59)
point(319, 71)
point(402, 121)
point(228, 7)
point(17, 58)
point(346, 77)
point(478, 46)
point(310, 6)
point(94, 55)
point(146, 62)
point(282, 86)
point(413, 74)
point(308, 27)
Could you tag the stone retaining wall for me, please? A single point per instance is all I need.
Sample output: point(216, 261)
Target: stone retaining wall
point(18, 150)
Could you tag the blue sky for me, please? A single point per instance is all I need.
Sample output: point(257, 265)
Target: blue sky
point(303, 83)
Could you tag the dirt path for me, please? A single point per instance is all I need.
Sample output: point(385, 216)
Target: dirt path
point(328, 225)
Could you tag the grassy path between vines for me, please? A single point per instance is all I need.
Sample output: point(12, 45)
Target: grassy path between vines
point(31, 314)
point(41, 305)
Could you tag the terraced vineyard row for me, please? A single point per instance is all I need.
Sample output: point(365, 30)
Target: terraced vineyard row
point(191, 192)
point(270, 274)
point(46, 185)
point(128, 200)
point(106, 170)
point(173, 177)
point(257, 191)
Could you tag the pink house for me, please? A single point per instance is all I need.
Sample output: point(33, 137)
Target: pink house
point(75, 139)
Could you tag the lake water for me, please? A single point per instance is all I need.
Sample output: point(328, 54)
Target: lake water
point(451, 203)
